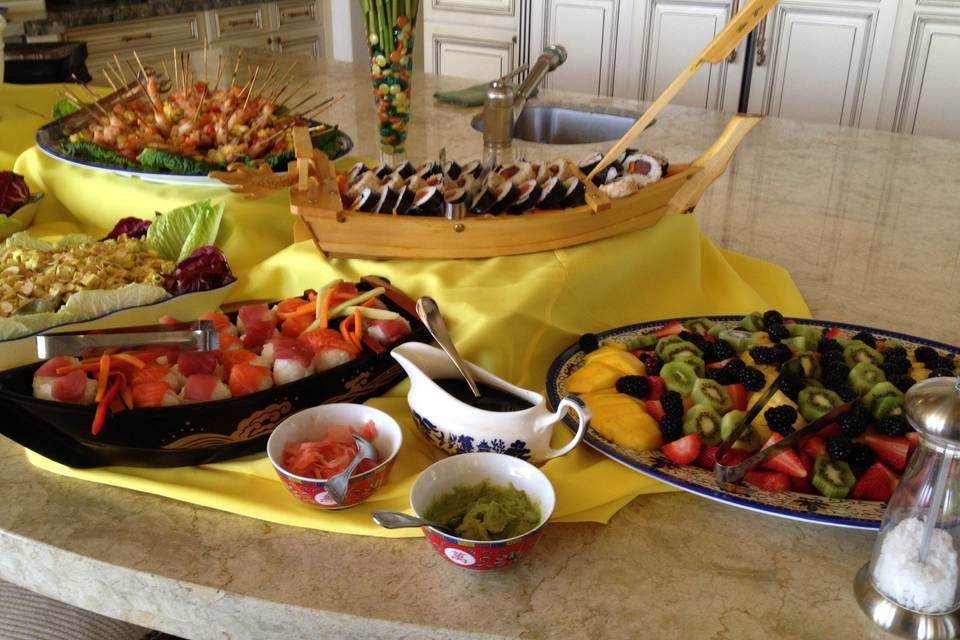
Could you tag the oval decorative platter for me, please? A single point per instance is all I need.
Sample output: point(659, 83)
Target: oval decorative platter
point(857, 514)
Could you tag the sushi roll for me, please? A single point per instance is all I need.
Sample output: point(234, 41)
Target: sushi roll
point(394, 182)
point(551, 194)
point(202, 387)
point(518, 173)
point(355, 172)
point(381, 171)
point(506, 195)
point(366, 201)
point(528, 194)
point(457, 195)
point(154, 394)
point(620, 188)
point(416, 183)
point(483, 200)
point(405, 170)
point(473, 168)
point(575, 193)
point(590, 162)
point(428, 202)
point(453, 170)
point(609, 174)
point(436, 180)
point(642, 169)
point(494, 180)
point(468, 183)
point(622, 158)
point(428, 169)
point(366, 181)
point(562, 169)
point(388, 200)
point(247, 378)
point(404, 201)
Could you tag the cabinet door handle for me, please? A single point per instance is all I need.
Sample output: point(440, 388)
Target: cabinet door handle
point(142, 36)
point(734, 10)
point(300, 14)
point(237, 23)
point(762, 42)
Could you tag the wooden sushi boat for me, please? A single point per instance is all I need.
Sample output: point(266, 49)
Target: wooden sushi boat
point(315, 197)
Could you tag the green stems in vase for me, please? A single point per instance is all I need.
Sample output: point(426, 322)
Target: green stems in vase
point(390, 25)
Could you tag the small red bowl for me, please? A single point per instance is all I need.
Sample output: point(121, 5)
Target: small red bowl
point(311, 425)
point(470, 469)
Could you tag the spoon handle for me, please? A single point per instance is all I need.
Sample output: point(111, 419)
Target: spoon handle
point(429, 313)
point(397, 520)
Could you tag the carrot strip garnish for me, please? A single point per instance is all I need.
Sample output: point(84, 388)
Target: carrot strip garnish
point(101, 415)
point(93, 366)
point(357, 328)
point(103, 377)
point(325, 307)
point(345, 329)
point(129, 358)
point(127, 395)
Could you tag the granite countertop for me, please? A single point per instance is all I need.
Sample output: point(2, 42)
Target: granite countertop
point(866, 223)
point(84, 14)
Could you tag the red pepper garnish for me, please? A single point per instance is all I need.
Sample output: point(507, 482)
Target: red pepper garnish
point(101, 415)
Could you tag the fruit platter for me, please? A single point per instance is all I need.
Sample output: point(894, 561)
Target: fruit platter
point(665, 395)
point(163, 407)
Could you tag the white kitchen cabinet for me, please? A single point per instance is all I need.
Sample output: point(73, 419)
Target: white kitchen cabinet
point(307, 43)
point(468, 52)
point(922, 93)
point(588, 30)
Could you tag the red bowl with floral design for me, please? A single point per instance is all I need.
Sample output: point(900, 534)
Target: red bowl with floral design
point(311, 425)
point(471, 469)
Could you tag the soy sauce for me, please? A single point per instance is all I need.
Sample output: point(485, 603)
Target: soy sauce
point(491, 398)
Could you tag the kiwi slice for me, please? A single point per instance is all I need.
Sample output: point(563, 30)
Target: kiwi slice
point(813, 382)
point(642, 342)
point(815, 402)
point(739, 341)
point(883, 400)
point(808, 332)
point(712, 394)
point(752, 322)
point(700, 326)
point(695, 363)
point(678, 376)
point(705, 421)
point(748, 441)
point(665, 342)
point(864, 375)
point(797, 343)
point(680, 351)
point(832, 478)
point(857, 351)
point(810, 364)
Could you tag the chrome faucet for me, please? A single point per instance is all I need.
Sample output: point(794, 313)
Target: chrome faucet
point(503, 104)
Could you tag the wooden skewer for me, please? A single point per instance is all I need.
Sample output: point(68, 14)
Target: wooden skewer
point(120, 70)
point(279, 132)
point(236, 68)
point(109, 81)
point(250, 91)
point(323, 106)
point(186, 71)
point(163, 65)
point(305, 100)
point(70, 96)
point(199, 105)
point(269, 76)
point(206, 76)
point(176, 78)
point(216, 84)
point(295, 91)
point(715, 52)
point(280, 83)
point(96, 98)
point(29, 110)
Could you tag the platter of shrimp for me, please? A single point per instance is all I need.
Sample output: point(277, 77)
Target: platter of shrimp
point(175, 128)
point(166, 408)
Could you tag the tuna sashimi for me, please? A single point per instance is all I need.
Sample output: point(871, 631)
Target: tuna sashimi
point(256, 334)
point(255, 314)
point(74, 387)
point(191, 362)
point(153, 394)
point(246, 378)
point(49, 368)
point(331, 455)
point(387, 332)
point(201, 387)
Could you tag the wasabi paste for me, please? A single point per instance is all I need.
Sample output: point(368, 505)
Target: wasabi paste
point(485, 512)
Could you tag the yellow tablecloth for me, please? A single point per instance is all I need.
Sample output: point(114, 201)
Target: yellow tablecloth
point(511, 315)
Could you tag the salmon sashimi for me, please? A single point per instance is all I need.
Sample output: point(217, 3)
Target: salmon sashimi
point(156, 373)
point(330, 455)
point(235, 357)
point(289, 305)
point(246, 378)
point(220, 322)
point(153, 394)
point(320, 340)
point(191, 362)
point(229, 341)
point(293, 327)
point(201, 387)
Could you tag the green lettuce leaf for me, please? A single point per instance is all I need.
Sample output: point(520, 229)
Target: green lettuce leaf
point(160, 160)
point(92, 303)
point(64, 108)
point(204, 231)
point(175, 234)
point(97, 154)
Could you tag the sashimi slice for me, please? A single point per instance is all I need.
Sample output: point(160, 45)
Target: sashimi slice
point(320, 340)
point(49, 368)
point(235, 357)
point(329, 456)
point(156, 373)
point(74, 387)
point(246, 378)
point(220, 321)
point(153, 394)
point(201, 387)
point(191, 362)
point(293, 327)
point(269, 352)
point(254, 314)
point(256, 334)
point(387, 332)
point(229, 341)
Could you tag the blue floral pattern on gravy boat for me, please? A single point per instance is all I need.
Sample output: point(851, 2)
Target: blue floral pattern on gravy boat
point(453, 443)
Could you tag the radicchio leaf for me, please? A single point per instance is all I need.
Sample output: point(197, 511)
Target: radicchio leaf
point(130, 227)
point(14, 192)
point(205, 269)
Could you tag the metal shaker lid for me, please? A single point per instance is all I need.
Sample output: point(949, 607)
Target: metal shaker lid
point(933, 408)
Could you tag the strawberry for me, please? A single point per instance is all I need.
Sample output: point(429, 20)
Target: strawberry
point(738, 395)
point(913, 437)
point(672, 328)
point(683, 451)
point(804, 485)
point(814, 446)
point(708, 457)
point(832, 430)
point(656, 387)
point(835, 333)
point(735, 457)
point(876, 483)
point(891, 450)
point(787, 461)
point(719, 365)
point(768, 480)
point(655, 410)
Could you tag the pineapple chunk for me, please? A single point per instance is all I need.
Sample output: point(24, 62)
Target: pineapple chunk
point(623, 420)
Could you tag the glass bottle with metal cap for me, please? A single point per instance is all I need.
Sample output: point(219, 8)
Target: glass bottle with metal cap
point(910, 588)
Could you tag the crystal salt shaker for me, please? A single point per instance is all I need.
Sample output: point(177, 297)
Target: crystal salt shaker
point(910, 586)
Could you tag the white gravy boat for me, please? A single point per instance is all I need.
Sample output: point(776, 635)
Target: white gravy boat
point(457, 427)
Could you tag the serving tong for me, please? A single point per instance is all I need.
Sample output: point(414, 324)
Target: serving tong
point(791, 370)
point(200, 335)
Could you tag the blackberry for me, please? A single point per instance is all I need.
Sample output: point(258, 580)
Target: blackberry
point(902, 382)
point(840, 448)
point(852, 423)
point(846, 392)
point(651, 363)
point(866, 338)
point(672, 404)
point(777, 332)
point(894, 353)
point(671, 427)
point(895, 367)
point(736, 366)
point(695, 339)
point(861, 457)
point(942, 373)
point(589, 342)
point(752, 379)
point(835, 371)
point(765, 355)
point(895, 426)
point(636, 386)
point(718, 351)
point(830, 356)
point(792, 387)
point(946, 362)
point(781, 419)
point(926, 355)
point(716, 374)
point(829, 344)
point(772, 317)
point(783, 352)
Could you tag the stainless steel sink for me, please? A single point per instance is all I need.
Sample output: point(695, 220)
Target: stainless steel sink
point(561, 125)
